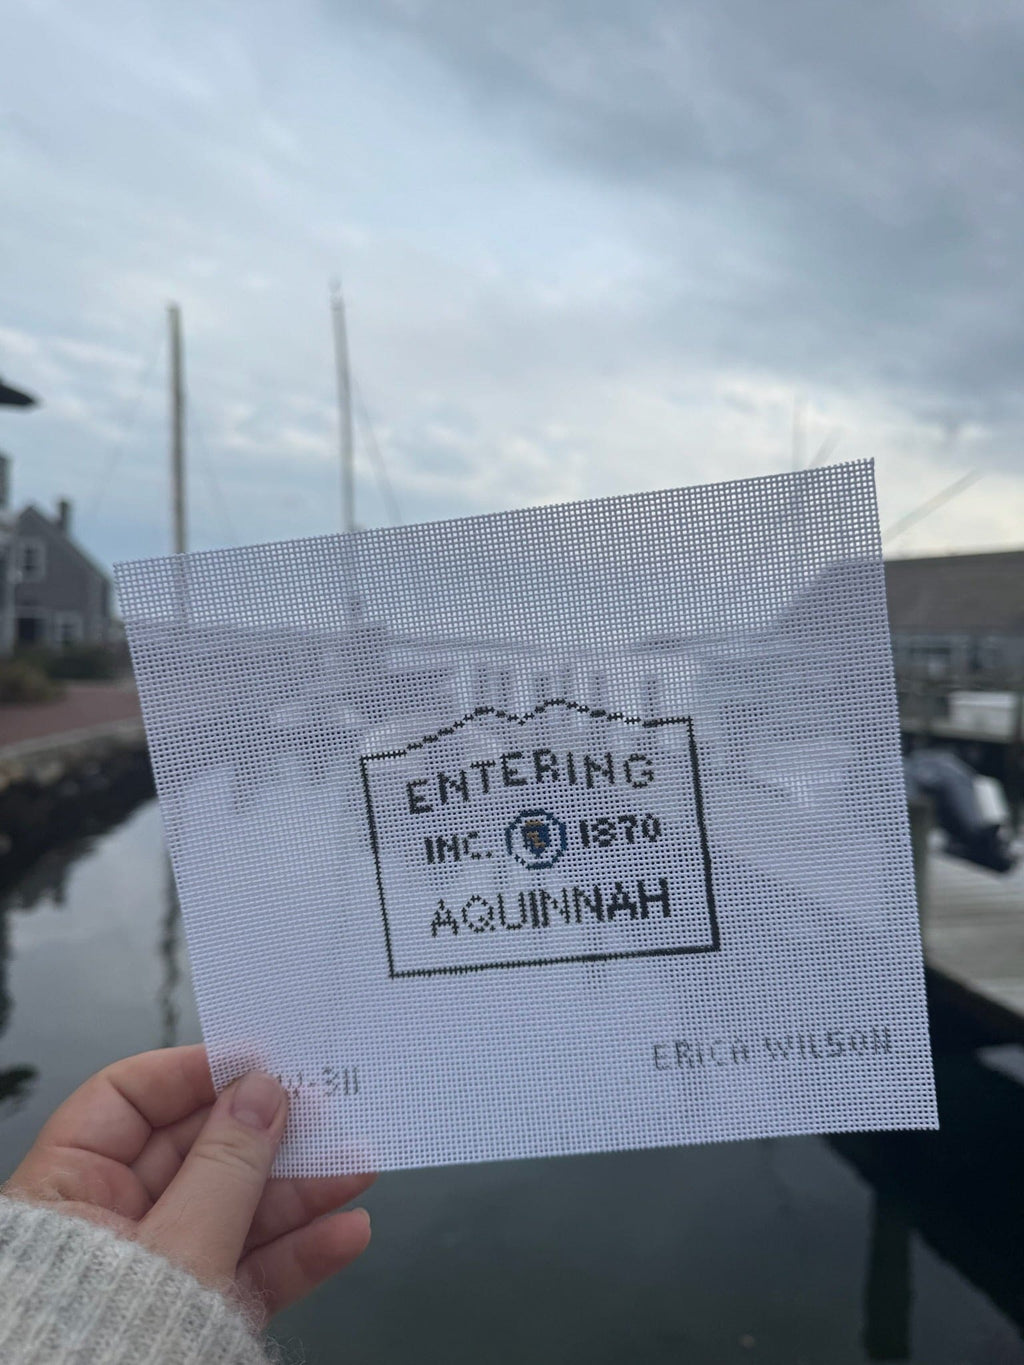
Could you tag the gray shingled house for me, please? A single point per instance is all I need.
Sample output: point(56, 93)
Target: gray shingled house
point(959, 617)
point(61, 596)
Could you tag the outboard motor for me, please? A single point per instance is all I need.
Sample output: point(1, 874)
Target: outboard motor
point(970, 808)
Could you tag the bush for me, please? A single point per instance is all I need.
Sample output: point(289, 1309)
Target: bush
point(82, 663)
point(21, 682)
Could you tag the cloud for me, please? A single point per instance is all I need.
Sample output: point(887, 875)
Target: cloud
point(585, 248)
point(839, 186)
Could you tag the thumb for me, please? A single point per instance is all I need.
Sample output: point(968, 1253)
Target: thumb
point(203, 1217)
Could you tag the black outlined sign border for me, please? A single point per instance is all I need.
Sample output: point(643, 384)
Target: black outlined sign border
point(596, 713)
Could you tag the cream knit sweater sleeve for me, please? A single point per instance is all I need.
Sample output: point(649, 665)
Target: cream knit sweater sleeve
point(72, 1293)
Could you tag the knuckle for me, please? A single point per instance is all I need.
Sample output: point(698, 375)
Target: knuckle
point(234, 1156)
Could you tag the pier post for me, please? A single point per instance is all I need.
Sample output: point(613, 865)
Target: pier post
point(921, 819)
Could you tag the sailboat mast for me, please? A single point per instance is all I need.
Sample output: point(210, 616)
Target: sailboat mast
point(178, 516)
point(345, 437)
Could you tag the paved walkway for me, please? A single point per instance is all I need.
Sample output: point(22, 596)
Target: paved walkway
point(83, 706)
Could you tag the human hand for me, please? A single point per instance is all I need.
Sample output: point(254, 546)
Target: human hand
point(147, 1149)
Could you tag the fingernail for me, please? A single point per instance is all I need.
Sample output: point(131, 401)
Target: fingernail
point(366, 1215)
point(256, 1100)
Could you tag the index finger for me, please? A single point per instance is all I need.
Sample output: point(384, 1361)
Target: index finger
point(114, 1112)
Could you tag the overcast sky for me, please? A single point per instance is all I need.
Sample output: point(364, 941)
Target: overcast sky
point(587, 247)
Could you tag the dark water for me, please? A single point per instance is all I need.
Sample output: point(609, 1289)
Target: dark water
point(793, 1251)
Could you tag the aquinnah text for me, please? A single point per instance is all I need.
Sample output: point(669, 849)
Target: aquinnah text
point(540, 909)
point(532, 767)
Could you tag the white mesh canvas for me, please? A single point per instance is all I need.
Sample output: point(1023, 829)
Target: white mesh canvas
point(563, 830)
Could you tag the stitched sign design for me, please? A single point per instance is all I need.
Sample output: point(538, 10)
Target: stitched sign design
point(607, 859)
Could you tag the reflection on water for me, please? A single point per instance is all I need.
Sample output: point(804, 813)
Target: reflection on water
point(961, 1188)
point(887, 1284)
point(93, 967)
point(16, 1085)
point(170, 937)
point(879, 1247)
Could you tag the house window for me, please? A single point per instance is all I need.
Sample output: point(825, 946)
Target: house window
point(31, 628)
point(994, 656)
point(67, 628)
point(931, 658)
point(31, 560)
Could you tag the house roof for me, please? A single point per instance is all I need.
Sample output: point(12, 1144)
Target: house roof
point(974, 594)
point(52, 527)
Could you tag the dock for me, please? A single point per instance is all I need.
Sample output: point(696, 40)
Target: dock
point(973, 930)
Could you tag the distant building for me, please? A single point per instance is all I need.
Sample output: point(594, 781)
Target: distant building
point(958, 617)
point(61, 596)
